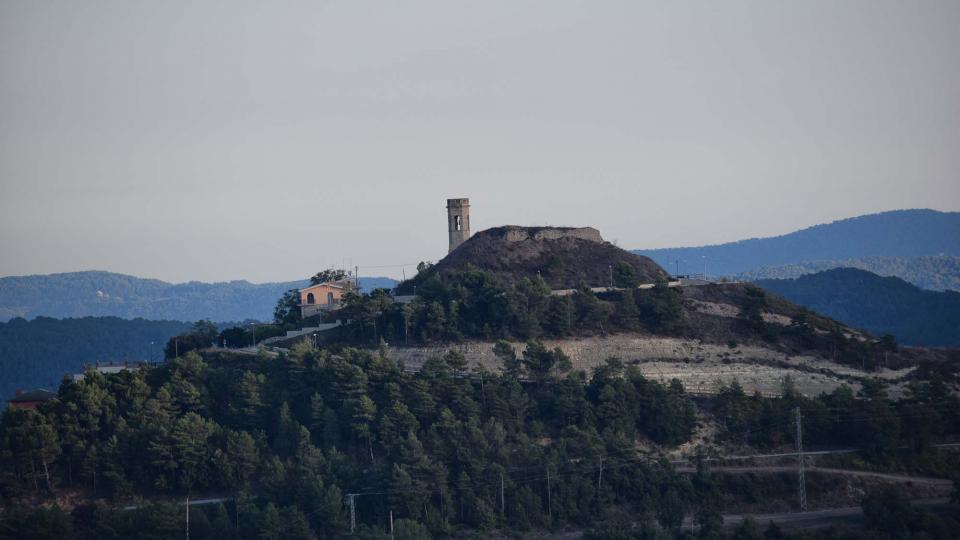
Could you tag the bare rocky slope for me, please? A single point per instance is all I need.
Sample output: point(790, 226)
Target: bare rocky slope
point(714, 349)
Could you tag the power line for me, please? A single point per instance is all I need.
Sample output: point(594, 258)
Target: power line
point(801, 487)
point(602, 466)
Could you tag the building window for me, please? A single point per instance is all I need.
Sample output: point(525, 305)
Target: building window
point(329, 298)
point(457, 224)
point(310, 298)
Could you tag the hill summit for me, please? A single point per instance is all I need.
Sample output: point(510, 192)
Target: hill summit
point(563, 256)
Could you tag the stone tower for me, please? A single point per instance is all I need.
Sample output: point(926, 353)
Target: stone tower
point(458, 221)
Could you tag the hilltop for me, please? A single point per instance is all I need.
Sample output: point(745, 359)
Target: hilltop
point(563, 256)
point(898, 233)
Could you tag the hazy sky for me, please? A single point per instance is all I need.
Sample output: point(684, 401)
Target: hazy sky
point(266, 140)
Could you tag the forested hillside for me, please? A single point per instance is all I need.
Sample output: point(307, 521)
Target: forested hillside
point(899, 233)
point(38, 353)
point(291, 443)
point(880, 305)
point(82, 294)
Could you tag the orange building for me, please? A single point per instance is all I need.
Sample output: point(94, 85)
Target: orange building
point(323, 297)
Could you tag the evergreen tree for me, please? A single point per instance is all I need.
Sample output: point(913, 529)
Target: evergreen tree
point(625, 312)
point(558, 318)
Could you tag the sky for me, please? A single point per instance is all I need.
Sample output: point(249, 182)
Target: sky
point(221, 140)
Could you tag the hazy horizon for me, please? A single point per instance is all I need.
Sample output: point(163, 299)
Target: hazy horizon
point(377, 272)
point(219, 141)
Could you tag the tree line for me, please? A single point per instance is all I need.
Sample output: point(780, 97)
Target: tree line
point(477, 304)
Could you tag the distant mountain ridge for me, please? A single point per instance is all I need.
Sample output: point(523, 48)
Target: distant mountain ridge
point(877, 304)
point(99, 293)
point(897, 233)
point(933, 272)
point(38, 353)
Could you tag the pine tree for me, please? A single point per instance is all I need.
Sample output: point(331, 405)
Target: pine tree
point(558, 318)
point(625, 312)
point(247, 404)
point(243, 455)
point(271, 527)
point(363, 413)
point(186, 397)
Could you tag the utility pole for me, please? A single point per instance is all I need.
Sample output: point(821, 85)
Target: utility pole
point(188, 517)
point(549, 502)
point(801, 485)
point(253, 335)
point(502, 503)
point(610, 268)
point(391, 524)
point(353, 511)
point(176, 347)
point(482, 391)
point(441, 503)
point(600, 477)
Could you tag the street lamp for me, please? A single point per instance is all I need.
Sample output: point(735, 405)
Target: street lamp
point(253, 335)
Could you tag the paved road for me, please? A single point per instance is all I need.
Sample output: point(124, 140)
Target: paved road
point(820, 518)
point(898, 478)
point(806, 453)
point(193, 502)
point(798, 520)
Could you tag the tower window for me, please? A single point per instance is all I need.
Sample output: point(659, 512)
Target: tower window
point(457, 224)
